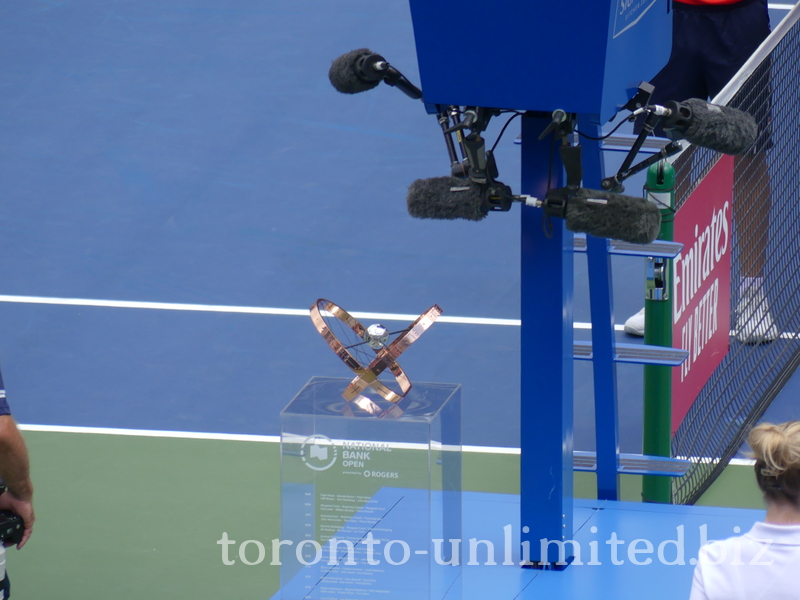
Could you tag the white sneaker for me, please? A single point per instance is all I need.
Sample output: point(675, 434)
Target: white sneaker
point(753, 323)
point(635, 324)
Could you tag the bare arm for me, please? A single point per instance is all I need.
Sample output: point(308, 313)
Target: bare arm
point(14, 469)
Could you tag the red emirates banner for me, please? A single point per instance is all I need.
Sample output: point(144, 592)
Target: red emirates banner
point(701, 285)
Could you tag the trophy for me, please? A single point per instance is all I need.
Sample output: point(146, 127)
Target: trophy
point(369, 467)
point(368, 352)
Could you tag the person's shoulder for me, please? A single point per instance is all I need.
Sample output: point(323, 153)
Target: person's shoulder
point(728, 551)
point(774, 533)
point(718, 550)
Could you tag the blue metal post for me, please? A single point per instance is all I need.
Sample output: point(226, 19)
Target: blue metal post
point(603, 337)
point(546, 487)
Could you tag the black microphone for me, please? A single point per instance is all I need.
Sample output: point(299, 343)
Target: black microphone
point(721, 128)
point(445, 198)
point(606, 215)
point(352, 73)
point(598, 213)
point(361, 70)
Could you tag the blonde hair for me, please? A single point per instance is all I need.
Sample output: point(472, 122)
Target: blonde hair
point(776, 449)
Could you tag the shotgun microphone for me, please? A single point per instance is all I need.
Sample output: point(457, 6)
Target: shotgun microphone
point(456, 198)
point(604, 214)
point(721, 128)
point(361, 70)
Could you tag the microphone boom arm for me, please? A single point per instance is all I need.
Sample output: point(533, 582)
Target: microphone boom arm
point(614, 183)
point(444, 122)
point(396, 79)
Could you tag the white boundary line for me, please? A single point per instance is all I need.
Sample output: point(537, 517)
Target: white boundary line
point(191, 435)
point(255, 310)
point(291, 312)
point(272, 439)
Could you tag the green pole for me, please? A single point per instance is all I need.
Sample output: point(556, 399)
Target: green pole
point(657, 436)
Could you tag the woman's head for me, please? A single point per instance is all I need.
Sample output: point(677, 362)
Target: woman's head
point(777, 452)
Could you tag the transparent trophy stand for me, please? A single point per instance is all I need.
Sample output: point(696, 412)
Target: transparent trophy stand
point(389, 488)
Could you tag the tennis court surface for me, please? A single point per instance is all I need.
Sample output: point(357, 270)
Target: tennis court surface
point(178, 184)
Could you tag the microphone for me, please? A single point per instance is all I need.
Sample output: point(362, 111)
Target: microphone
point(445, 198)
point(361, 70)
point(605, 215)
point(721, 128)
point(351, 73)
point(602, 214)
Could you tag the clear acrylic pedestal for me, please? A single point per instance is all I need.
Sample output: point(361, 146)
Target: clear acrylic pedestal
point(371, 506)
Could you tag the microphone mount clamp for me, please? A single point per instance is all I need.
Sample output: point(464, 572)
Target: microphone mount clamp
point(561, 125)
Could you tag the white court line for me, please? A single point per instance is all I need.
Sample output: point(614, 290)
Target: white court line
point(273, 439)
point(292, 312)
point(192, 435)
point(255, 310)
point(189, 435)
point(781, 6)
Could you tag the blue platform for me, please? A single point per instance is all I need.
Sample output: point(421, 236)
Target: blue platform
point(625, 548)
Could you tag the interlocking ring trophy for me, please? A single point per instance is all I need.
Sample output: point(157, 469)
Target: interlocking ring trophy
point(368, 352)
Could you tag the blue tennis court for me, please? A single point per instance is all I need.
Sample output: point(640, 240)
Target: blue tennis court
point(178, 154)
point(179, 182)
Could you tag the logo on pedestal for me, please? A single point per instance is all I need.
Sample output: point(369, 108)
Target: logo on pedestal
point(318, 452)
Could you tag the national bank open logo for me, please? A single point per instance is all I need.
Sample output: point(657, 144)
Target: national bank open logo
point(318, 452)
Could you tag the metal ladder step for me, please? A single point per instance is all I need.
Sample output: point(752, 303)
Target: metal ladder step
point(635, 353)
point(635, 464)
point(658, 249)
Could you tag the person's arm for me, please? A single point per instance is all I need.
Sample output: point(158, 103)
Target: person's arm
point(14, 469)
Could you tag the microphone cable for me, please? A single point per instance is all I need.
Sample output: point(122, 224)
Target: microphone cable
point(609, 134)
point(503, 130)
